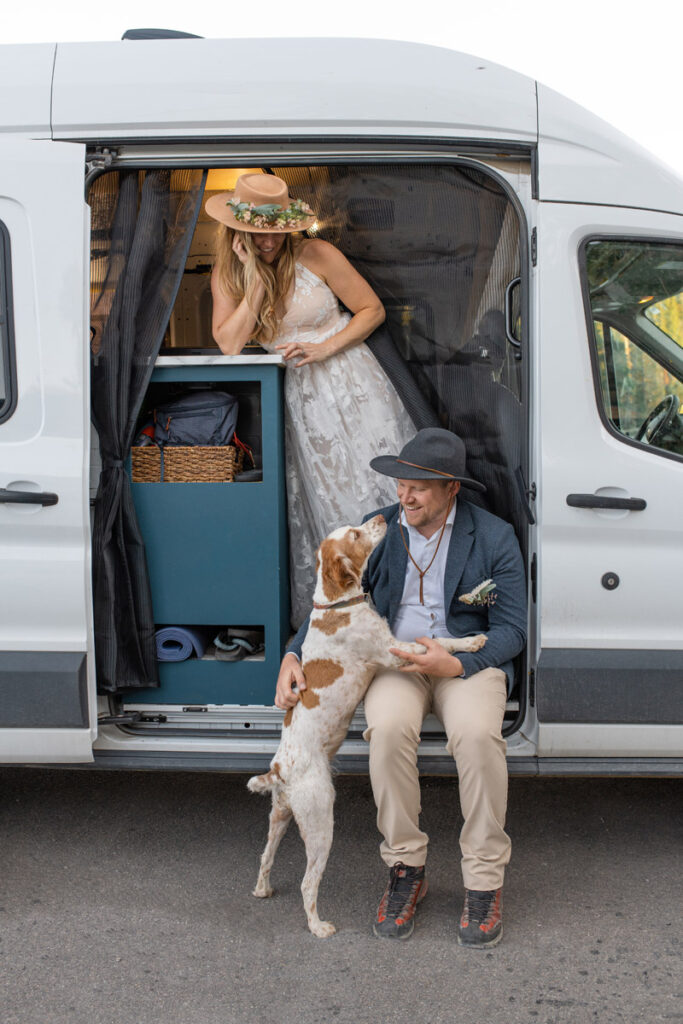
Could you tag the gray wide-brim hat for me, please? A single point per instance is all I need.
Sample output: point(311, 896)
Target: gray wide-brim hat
point(433, 454)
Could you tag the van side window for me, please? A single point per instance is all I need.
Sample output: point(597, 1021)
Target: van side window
point(7, 373)
point(634, 294)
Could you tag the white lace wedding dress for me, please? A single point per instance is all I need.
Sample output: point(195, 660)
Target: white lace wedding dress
point(339, 414)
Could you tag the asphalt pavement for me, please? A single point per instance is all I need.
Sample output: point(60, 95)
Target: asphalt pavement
point(125, 899)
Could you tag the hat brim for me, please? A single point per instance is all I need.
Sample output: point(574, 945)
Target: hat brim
point(390, 466)
point(216, 207)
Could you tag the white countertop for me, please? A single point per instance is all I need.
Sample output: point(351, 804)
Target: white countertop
point(220, 360)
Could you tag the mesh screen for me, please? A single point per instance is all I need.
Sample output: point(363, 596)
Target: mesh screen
point(439, 244)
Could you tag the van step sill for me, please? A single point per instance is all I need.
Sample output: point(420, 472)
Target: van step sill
point(254, 719)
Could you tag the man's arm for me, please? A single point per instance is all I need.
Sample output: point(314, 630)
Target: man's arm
point(297, 642)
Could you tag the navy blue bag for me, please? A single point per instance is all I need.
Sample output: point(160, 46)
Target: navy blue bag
point(197, 418)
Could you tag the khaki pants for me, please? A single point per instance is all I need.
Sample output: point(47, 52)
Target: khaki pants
point(471, 711)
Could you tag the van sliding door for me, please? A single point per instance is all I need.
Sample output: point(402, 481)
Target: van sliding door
point(47, 694)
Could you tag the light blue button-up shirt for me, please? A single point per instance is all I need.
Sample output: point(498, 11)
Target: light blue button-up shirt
point(429, 619)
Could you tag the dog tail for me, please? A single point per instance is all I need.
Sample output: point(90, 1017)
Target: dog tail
point(264, 783)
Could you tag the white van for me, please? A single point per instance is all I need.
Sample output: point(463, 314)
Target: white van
point(530, 259)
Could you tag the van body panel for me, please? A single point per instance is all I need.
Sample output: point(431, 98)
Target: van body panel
point(349, 88)
point(56, 746)
point(608, 686)
point(582, 551)
point(45, 601)
point(196, 88)
point(578, 454)
point(583, 159)
point(586, 740)
point(43, 689)
point(25, 88)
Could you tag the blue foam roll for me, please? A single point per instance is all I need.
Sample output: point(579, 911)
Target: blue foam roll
point(178, 643)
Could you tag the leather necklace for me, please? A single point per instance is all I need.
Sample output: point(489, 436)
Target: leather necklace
point(423, 572)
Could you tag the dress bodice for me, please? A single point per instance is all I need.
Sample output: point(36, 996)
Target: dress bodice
point(313, 314)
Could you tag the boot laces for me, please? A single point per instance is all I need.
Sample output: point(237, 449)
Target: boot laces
point(401, 884)
point(479, 904)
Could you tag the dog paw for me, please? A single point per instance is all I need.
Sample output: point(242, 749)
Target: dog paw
point(323, 929)
point(262, 891)
point(475, 643)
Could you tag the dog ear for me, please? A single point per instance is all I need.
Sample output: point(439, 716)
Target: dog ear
point(339, 573)
point(348, 571)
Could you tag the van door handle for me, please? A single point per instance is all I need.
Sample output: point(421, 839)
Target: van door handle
point(603, 501)
point(27, 497)
point(509, 324)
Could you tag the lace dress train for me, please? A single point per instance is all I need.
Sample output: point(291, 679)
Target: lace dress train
point(339, 414)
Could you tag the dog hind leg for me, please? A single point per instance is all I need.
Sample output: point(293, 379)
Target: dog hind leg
point(280, 817)
point(312, 807)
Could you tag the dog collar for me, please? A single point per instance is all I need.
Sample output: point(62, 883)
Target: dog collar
point(342, 604)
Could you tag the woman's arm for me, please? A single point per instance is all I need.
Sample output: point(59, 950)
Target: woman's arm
point(233, 323)
point(352, 289)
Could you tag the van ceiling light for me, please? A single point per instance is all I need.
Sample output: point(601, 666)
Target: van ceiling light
point(157, 33)
point(224, 179)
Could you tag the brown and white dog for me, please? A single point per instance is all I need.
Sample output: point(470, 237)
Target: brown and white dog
point(347, 641)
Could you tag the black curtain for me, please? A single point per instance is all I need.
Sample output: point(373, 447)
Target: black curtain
point(142, 226)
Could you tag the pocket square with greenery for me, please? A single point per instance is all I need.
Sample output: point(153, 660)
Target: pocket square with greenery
point(482, 595)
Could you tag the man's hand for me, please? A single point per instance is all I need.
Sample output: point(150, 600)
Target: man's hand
point(434, 662)
point(291, 674)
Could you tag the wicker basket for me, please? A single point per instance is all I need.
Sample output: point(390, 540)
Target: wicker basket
point(184, 465)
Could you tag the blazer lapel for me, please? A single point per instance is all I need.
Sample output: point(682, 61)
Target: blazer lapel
point(458, 550)
point(398, 562)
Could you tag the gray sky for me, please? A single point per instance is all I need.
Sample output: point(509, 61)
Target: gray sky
point(620, 58)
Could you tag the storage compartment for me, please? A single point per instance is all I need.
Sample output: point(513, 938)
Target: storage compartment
point(217, 554)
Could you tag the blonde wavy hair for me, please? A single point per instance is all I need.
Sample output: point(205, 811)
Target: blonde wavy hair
point(239, 279)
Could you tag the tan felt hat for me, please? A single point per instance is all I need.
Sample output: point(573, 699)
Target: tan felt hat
point(260, 202)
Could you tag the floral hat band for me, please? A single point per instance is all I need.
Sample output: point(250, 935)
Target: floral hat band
point(271, 215)
point(260, 202)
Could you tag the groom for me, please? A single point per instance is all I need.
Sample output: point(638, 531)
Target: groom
point(445, 568)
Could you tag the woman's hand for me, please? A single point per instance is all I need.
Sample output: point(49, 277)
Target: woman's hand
point(436, 661)
point(305, 351)
point(239, 249)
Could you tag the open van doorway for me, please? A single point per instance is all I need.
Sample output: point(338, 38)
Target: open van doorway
point(443, 245)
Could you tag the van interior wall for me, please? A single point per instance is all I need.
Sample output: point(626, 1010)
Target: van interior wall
point(439, 244)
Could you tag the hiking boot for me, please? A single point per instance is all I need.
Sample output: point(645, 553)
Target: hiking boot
point(396, 911)
point(481, 924)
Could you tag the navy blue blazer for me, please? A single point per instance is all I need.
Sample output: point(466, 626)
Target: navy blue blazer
point(482, 547)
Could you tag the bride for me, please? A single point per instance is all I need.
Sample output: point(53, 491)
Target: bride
point(340, 408)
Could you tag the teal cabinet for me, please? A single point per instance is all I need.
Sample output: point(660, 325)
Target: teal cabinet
point(217, 552)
